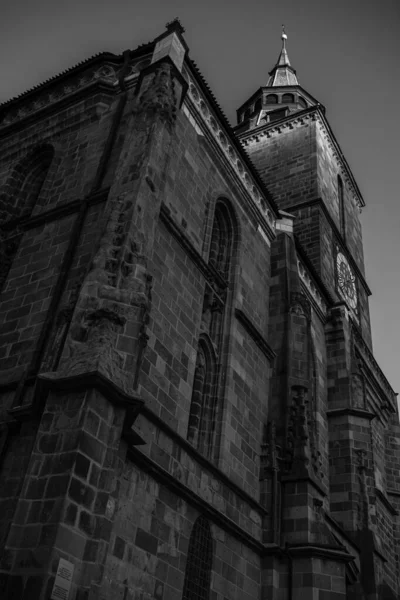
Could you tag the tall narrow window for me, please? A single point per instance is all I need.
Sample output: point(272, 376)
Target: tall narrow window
point(20, 196)
point(197, 581)
point(201, 418)
point(341, 207)
point(204, 407)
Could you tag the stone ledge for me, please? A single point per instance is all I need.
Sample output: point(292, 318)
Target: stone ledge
point(351, 412)
point(256, 336)
point(162, 476)
point(204, 462)
point(95, 380)
point(319, 551)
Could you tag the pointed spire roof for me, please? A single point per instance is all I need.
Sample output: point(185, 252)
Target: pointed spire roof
point(283, 73)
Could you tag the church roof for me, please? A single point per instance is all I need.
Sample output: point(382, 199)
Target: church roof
point(283, 73)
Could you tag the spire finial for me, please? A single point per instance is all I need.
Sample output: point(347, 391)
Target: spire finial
point(283, 36)
point(282, 74)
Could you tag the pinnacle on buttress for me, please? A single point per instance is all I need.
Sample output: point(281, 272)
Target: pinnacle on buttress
point(283, 73)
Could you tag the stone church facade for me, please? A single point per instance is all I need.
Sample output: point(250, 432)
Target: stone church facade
point(190, 408)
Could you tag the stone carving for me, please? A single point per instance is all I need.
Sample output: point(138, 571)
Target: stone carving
point(143, 337)
point(299, 305)
point(308, 282)
point(298, 444)
point(363, 518)
point(108, 332)
point(211, 318)
point(158, 95)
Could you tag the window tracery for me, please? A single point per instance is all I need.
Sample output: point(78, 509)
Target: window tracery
point(197, 580)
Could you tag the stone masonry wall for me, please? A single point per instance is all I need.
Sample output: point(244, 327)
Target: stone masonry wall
point(193, 184)
point(286, 158)
point(328, 171)
point(150, 540)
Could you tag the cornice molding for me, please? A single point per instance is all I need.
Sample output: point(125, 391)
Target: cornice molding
point(102, 71)
point(313, 273)
point(351, 412)
point(319, 551)
point(233, 154)
point(311, 288)
point(308, 478)
point(374, 368)
point(255, 335)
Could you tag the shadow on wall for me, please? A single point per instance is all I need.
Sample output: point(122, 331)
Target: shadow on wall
point(385, 593)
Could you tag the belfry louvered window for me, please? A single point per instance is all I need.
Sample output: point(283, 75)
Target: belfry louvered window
point(199, 562)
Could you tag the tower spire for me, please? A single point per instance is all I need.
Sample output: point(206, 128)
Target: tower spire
point(283, 73)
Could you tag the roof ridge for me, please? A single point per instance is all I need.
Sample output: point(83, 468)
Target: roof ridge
point(70, 70)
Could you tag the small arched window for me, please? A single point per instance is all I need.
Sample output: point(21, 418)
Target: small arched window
point(202, 407)
point(271, 99)
point(287, 98)
point(221, 240)
point(342, 217)
point(197, 580)
point(30, 177)
point(302, 102)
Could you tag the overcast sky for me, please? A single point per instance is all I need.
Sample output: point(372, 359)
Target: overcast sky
point(346, 54)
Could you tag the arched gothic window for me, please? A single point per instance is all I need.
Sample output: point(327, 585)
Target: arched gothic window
point(197, 581)
point(19, 198)
point(33, 174)
point(221, 241)
point(203, 409)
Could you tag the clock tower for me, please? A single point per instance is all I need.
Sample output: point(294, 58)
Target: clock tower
point(288, 137)
point(332, 411)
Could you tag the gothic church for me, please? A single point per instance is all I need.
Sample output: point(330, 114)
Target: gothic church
point(190, 408)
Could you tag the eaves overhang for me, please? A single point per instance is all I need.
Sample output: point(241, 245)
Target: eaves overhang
point(282, 88)
point(206, 90)
point(98, 60)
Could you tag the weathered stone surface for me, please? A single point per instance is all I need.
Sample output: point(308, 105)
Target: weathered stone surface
point(184, 389)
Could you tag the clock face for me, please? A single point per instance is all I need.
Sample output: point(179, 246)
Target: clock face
point(346, 280)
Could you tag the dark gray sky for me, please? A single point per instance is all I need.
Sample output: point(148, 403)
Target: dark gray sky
point(346, 54)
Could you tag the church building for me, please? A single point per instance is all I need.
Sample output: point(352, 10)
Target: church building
point(190, 407)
